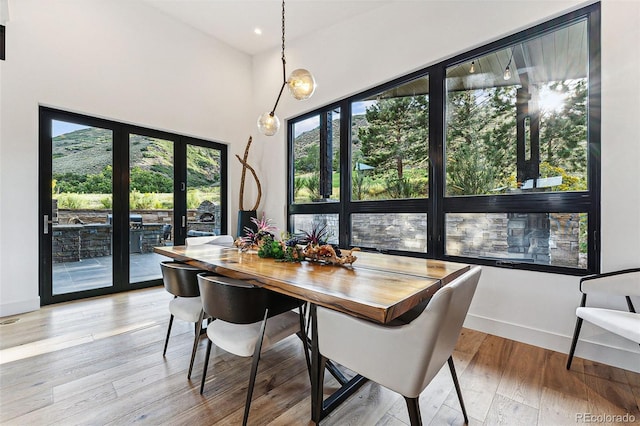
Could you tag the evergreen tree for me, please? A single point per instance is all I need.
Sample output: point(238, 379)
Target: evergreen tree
point(481, 140)
point(563, 134)
point(396, 134)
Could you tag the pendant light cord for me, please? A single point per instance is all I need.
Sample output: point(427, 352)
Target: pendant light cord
point(284, 72)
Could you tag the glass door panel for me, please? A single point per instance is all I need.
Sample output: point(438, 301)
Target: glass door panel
point(151, 204)
point(81, 196)
point(109, 193)
point(204, 215)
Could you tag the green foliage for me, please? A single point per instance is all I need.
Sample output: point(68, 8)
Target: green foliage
point(82, 163)
point(99, 183)
point(469, 173)
point(312, 184)
point(146, 201)
point(481, 136)
point(481, 139)
point(298, 184)
point(70, 202)
point(569, 183)
point(271, 248)
point(292, 254)
point(194, 198)
point(107, 202)
point(148, 181)
point(399, 188)
point(359, 185)
point(308, 160)
point(397, 134)
point(563, 134)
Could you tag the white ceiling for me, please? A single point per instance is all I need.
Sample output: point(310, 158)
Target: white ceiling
point(234, 21)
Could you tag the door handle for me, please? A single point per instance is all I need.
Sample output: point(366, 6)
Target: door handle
point(184, 221)
point(46, 224)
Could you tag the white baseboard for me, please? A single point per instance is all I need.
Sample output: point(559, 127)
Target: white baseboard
point(594, 351)
point(8, 309)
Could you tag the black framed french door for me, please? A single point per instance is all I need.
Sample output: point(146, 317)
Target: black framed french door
point(109, 192)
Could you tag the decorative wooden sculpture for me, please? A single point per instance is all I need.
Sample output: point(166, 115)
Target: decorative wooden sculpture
point(246, 166)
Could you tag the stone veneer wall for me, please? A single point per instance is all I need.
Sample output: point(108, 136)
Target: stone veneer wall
point(390, 231)
point(100, 216)
point(545, 238)
point(564, 240)
point(74, 242)
point(148, 217)
point(537, 237)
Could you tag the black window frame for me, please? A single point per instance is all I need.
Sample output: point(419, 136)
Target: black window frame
point(437, 205)
point(3, 42)
point(121, 173)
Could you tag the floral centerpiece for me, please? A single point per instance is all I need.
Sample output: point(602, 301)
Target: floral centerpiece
point(316, 248)
point(310, 245)
point(254, 239)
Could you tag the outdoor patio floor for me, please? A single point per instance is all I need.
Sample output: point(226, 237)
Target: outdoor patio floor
point(96, 272)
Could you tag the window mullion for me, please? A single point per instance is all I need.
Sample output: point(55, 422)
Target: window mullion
point(437, 110)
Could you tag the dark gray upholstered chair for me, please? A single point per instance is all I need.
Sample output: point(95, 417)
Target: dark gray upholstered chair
point(248, 321)
point(181, 280)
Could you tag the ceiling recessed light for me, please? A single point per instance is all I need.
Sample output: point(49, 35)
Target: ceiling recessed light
point(257, 31)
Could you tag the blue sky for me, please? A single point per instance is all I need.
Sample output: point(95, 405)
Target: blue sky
point(61, 127)
point(357, 108)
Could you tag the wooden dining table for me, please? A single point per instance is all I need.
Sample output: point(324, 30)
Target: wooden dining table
point(376, 287)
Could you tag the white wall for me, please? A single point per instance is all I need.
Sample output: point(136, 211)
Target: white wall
point(532, 307)
point(112, 59)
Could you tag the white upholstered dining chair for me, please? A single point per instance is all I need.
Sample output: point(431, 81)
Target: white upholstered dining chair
point(406, 357)
point(625, 283)
point(218, 240)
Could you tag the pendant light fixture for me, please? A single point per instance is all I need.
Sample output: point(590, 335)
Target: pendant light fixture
point(507, 70)
point(301, 85)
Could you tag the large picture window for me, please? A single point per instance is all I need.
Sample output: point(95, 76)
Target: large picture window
point(390, 143)
point(489, 157)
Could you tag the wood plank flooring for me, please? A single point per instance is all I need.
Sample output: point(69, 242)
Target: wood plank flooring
point(99, 362)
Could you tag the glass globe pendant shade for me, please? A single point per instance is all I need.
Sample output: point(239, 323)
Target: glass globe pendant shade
point(507, 73)
point(301, 84)
point(268, 124)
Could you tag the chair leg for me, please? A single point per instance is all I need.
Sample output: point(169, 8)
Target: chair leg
point(452, 368)
point(196, 340)
point(305, 341)
point(574, 342)
point(254, 368)
point(166, 342)
point(414, 411)
point(206, 365)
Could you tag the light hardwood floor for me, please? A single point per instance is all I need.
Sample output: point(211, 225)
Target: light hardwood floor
point(99, 362)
